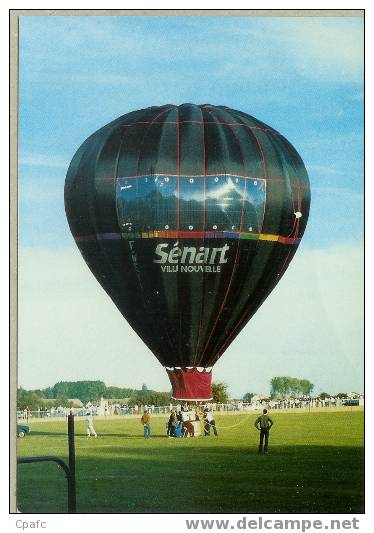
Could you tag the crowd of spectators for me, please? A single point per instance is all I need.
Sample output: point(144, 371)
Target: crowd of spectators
point(117, 408)
point(307, 402)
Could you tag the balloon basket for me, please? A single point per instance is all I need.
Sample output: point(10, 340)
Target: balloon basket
point(190, 384)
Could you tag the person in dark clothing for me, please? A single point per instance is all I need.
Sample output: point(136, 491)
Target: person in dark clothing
point(264, 424)
point(172, 424)
point(209, 422)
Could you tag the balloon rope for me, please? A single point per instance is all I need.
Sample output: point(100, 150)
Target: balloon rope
point(234, 425)
point(298, 205)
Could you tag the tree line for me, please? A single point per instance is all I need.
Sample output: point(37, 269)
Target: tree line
point(87, 391)
point(91, 391)
point(63, 392)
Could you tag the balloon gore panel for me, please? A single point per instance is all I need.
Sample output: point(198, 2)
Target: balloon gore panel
point(188, 216)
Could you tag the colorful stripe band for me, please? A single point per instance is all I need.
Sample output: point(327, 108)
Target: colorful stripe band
point(189, 235)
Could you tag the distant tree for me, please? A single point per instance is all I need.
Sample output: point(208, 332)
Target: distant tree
point(144, 390)
point(280, 386)
point(119, 392)
point(61, 389)
point(39, 393)
point(86, 391)
point(29, 399)
point(48, 393)
point(342, 395)
point(275, 387)
point(324, 395)
point(285, 386)
point(306, 387)
point(90, 391)
point(62, 401)
point(220, 392)
point(294, 386)
point(248, 396)
point(152, 398)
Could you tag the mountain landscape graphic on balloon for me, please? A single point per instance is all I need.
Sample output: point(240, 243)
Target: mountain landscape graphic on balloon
point(188, 216)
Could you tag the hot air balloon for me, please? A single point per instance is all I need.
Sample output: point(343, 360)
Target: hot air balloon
point(188, 216)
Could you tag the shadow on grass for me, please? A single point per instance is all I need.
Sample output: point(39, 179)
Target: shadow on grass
point(44, 433)
point(201, 479)
point(83, 434)
point(123, 436)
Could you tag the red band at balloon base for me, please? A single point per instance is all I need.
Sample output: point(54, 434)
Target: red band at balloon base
point(190, 384)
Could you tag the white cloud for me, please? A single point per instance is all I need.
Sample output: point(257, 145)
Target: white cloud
point(69, 328)
point(311, 326)
point(42, 160)
point(232, 50)
point(323, 169)
point(330, 49)
point(335, 47)
point(91, 78)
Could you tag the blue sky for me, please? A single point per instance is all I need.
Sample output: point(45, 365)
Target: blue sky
point(302, 76)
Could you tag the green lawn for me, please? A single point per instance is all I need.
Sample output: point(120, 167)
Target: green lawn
point(315, 465)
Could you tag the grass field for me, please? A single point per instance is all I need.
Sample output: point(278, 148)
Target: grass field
point(315, 465)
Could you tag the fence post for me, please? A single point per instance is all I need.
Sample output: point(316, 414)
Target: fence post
point(72, 493)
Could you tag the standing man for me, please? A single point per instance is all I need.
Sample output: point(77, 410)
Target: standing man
point(264, 424)
point(172, 424)
point(146, 421)
point(90, 428)
point(209, 422)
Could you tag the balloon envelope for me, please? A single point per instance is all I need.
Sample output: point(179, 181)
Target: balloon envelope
point(188, 216)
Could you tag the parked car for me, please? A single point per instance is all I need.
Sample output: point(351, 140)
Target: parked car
point(22, 430)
